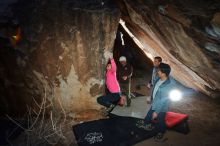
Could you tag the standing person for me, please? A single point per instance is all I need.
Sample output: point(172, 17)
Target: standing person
point(160, 103)
point(112, 85)
point(154, 77)
point(124, 74)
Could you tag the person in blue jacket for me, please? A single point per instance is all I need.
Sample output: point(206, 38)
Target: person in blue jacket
point(160, 102)
point(154, 77)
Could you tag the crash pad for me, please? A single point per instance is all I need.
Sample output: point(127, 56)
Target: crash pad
point(173, 118)
point(114, 131)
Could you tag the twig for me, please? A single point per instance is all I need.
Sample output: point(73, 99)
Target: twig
point(36, 102)
point(9, 141)
point(62, 126)
point(51, 143)
point(28, 135)
point(51, 134)
point(17, 123)
point(50, 104)
point(51, 117)
point(29, 118)
point(34, 111)
point(38, 113)
point(64, 113)
point(61, 132)
point(8, 135)
point(43, 113)
point(41, 130)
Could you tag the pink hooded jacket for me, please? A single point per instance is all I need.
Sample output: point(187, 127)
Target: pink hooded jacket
point(111, 79)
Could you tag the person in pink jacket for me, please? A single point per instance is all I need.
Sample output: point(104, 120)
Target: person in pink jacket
point(113, 97)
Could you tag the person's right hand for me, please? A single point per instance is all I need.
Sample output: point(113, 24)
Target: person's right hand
point(154, 116)
point(149, 85)
point(124, 78)
point(148, 100)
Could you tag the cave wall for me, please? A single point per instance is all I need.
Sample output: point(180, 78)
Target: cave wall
point(59, 51)
point(60, 55)
point(179, 31)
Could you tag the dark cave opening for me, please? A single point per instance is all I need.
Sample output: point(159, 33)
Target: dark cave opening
point(125, 46)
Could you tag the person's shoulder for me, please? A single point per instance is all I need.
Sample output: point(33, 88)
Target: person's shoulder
point(172, 81)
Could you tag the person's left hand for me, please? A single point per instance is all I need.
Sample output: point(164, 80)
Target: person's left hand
point(108, 54)
point(154, 115)
point(124, 77)
point(101, 83)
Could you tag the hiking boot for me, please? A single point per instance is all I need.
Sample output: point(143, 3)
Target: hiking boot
point(160, 137)
point(132, 95)
point(110, 108)
point(148, 127)
point(128, 101)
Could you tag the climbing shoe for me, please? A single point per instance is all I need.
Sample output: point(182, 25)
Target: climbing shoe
point(108, 110)
point(160, 137)
point(148, 127)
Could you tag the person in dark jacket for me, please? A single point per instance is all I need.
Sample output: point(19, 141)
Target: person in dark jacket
point(160, 103)
point(124, 74)
point(154, 77)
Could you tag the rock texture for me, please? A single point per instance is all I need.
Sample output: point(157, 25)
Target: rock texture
point(184, 33)
point(53, 50)
point(60, 55)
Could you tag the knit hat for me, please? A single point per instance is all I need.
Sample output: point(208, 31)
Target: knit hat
point(122, 58)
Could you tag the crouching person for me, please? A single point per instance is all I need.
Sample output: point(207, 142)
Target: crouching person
point(155, 117)
point(113, 97)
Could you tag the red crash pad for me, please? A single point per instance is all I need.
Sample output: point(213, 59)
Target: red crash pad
point(173, 119)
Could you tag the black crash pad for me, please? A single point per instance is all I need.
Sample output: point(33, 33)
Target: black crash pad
point(114, 131)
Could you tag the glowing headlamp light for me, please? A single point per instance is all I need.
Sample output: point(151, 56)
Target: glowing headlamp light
point(175, 95)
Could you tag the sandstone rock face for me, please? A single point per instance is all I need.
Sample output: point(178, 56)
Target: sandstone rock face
point(183, 34)
point(60, 55)
point(53, 50)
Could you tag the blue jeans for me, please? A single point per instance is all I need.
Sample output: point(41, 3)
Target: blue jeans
point(160, 124)
point(107, 100)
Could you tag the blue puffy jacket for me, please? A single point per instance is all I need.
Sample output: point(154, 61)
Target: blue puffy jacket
point(161, 100)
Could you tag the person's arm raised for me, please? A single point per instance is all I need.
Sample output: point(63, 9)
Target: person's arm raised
point(113, 69)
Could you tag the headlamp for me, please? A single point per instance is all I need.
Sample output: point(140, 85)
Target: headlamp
point(175, 95)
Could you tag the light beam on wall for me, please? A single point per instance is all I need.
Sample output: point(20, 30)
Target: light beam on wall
point(122, 39)
point(149, 55)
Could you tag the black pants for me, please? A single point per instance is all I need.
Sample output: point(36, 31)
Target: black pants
point(126, 89)
point(107, 100)
point(160, 124)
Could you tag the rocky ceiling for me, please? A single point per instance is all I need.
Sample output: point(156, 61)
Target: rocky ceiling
point(185, 33)
point(53, 49)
